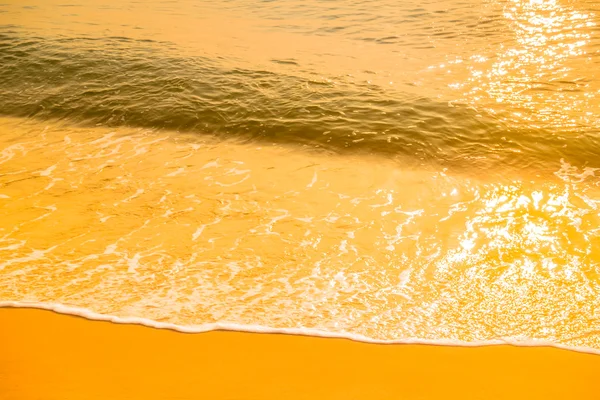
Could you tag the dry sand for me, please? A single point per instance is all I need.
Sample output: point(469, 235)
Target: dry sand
point(47, 356)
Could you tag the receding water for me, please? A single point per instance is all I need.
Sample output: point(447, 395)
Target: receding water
point(381, 171)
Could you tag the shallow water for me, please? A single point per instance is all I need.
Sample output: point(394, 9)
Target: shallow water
point(423, 172)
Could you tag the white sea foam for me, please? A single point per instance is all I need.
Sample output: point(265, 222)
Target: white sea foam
point(226, 326)
point(377, 255)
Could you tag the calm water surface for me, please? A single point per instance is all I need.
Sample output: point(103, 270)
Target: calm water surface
point(388, 171)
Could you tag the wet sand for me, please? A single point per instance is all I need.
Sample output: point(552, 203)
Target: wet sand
point(48, 356)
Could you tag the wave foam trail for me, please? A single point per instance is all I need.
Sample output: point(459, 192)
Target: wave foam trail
point(189, 233)
point(217, 326)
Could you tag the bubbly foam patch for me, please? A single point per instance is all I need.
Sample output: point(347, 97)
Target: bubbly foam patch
point(187, 233)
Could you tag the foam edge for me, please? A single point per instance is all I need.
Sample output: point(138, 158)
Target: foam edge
point(221, 326)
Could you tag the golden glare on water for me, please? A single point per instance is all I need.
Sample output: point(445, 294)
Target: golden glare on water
point(547, 77)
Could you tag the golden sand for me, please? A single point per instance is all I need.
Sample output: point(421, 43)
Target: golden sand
point(50, 356)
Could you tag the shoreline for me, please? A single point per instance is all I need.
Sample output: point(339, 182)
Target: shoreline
point(49, 355)
point(260, 329)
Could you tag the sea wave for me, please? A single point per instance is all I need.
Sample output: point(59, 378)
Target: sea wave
point(115, 81)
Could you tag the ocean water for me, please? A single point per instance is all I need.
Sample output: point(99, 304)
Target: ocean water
point(383, 171)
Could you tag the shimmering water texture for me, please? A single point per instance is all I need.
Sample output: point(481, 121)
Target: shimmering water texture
point(176, 229)
point(415, 172)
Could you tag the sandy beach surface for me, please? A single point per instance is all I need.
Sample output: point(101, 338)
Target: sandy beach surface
point(45, 355)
